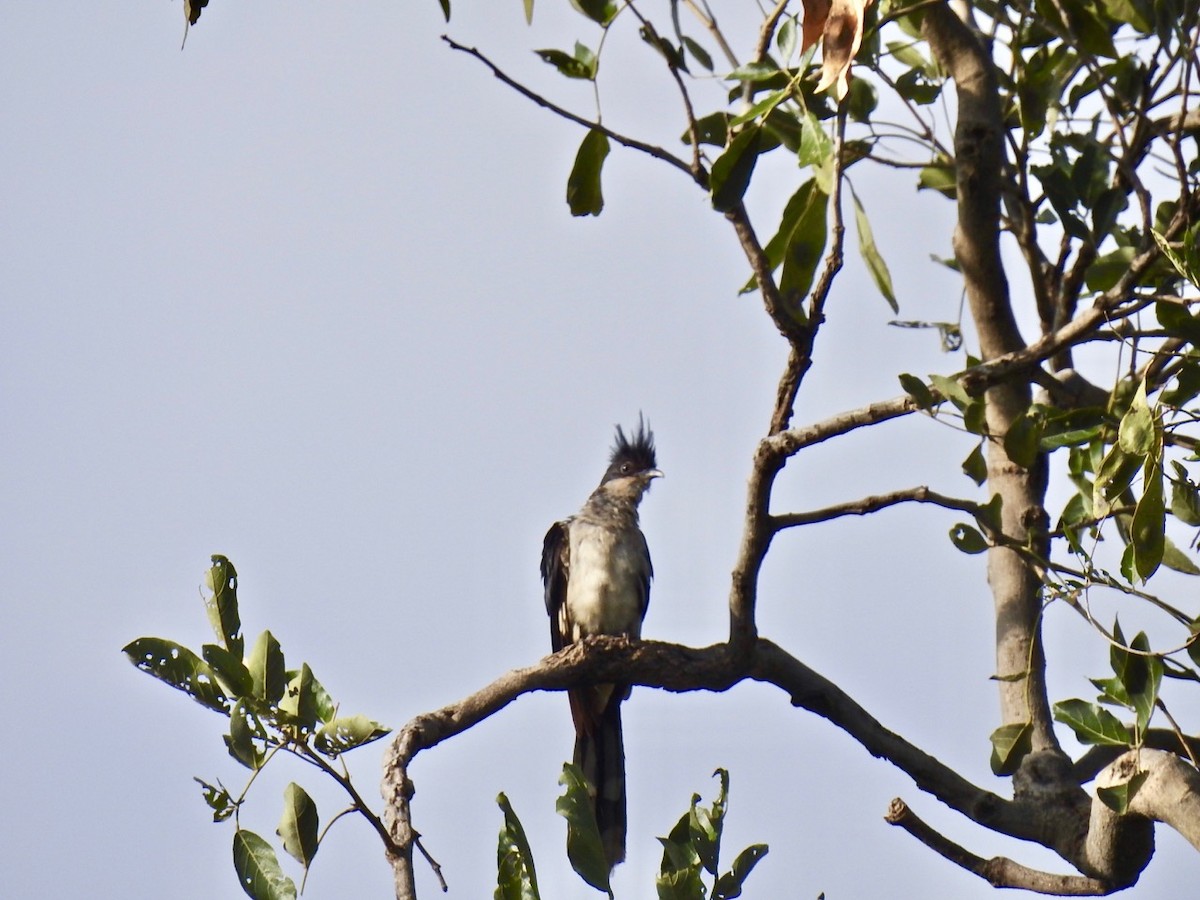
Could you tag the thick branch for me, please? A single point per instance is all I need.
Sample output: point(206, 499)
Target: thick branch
point(1170, 794)
point(674, 667)
point(979, 155)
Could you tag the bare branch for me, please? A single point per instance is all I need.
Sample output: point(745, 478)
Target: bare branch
point(998, 871)
point(632, 143)
point(873, 504)
point(794, 440)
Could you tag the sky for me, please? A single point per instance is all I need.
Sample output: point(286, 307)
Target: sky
point(308, 294)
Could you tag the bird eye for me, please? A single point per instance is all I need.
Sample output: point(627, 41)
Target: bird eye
point(626, 468)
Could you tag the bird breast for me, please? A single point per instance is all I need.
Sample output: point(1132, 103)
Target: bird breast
point(609, 576)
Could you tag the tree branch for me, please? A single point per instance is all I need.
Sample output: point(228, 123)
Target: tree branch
point(677, 668)
point(997, 871)
point(873, 504)
point(979, 153)
point(631, 143)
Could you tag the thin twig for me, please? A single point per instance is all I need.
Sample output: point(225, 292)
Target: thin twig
point(632, 143)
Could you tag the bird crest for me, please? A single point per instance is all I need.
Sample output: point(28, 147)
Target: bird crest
point(632, 453)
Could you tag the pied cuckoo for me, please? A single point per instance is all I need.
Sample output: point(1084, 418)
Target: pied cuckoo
point(596, 570)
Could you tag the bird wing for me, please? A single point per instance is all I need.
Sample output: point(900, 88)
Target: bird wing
point(644, 577)
point(556, 568)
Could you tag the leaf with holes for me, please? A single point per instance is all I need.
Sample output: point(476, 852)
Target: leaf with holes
point(967, 539)
point(258, 868)
point(516, 877)
point(347, 732)
point(180, 668)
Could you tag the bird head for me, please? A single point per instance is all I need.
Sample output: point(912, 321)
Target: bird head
point(632, 465)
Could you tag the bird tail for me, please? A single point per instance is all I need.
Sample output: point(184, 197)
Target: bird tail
point(600, 754)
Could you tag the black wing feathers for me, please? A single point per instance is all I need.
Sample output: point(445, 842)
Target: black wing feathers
point(556, 564)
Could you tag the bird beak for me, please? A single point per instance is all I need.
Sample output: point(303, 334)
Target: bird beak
point(655, 473)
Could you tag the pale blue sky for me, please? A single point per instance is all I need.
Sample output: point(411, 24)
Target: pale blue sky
point(308, 295)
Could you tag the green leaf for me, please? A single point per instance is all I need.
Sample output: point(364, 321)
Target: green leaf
point(1119, 796)
point(1023, 440)
point(915, 388)
point(668, 51)
point(599, 11)
point(765, 105)
point(247, 737)
point(222, 606)
point(1113, 478)
point(231, 672)
point(1148, 533)
point(528, 11)
point(347, 732)
point(975, 466)
point(705, 835)
point(699, 54)
point(1140, 676)
point(967, 539)
point(712, 129)
point(953, 391)
point(870, 254)
point(267, 668)
point(1107, 270)
point(218, 799)
point(1091, 723)
point(180, 668)
point(1010, 744)
point(680, 870)
point(445, 5)
point(1175, 318)
point(785, 38)
point(975, 417)
point(915, 85)
point(753, 72)
point(516, 877)
point(941, 178)
point(299, 825)
point(729, 885)
point(584, 847)
point(584, 195)
point(732, 170)
point(1185, 265)
point(990, 514)
point(1138, 14)
point(816, 146)
point(582, 65)
point(798, 245)
point(1174, 558)
point(258, 868)
point(306, 702)
point(1138, 434)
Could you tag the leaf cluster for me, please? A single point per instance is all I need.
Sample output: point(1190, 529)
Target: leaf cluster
point(690, 852)
point(270, 708)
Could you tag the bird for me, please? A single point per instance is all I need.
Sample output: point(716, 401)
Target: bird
point(596, 570)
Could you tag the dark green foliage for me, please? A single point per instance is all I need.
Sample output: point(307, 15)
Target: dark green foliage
point(269, 709)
